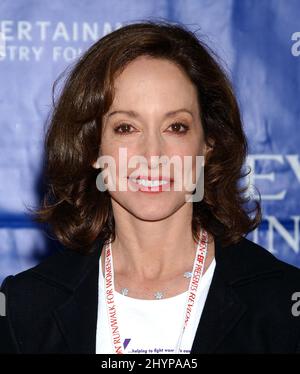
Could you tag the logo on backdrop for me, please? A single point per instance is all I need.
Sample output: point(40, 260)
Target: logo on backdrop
point(57, 41)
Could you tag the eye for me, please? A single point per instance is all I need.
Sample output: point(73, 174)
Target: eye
point(179, 128)
point(123, 129)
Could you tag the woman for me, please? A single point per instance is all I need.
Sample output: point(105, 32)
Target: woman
point(150, 268)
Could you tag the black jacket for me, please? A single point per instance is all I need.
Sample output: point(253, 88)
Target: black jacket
point(52, 308)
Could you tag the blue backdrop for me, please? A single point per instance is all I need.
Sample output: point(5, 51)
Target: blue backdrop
point(259, 43)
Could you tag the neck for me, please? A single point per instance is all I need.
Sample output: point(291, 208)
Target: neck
point(153, 249)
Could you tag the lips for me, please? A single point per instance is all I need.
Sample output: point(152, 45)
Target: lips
point(149, 178)
point(154, 184)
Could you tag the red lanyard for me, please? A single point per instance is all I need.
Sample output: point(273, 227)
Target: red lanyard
point(190, 302)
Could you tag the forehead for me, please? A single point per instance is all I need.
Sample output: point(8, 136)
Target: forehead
point(153, 81)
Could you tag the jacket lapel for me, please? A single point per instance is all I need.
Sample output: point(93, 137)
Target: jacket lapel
point(235, 265)
point(221, 312)
point(77, 318)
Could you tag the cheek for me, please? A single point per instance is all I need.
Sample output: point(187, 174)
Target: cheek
point(121, 169)
point(192, 161)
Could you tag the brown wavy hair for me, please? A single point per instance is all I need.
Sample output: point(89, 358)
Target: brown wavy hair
point(75, 210)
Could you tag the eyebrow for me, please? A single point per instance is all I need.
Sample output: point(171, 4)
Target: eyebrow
point(133, 114)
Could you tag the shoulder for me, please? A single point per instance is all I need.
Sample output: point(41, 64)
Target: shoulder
point(247, 259)
point(36, 291)
point(28, 297)
point(33, 296)
point(291, 272)
point(48, 273)
point(45, 286)
point(64, 269)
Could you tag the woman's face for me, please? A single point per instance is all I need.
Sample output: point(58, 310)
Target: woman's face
point(138, 121)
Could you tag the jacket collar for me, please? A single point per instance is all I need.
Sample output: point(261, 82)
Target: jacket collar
point(77, 275)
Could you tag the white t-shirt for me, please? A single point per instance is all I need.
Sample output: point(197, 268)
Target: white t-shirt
point(151, 326)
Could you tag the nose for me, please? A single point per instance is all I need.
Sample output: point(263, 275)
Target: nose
point(152, 149)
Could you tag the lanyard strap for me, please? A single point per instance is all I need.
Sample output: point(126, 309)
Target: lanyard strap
point(199, 262)
point(110, 302)
point(190, 302)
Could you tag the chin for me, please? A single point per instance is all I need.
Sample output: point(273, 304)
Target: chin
point(150, 210)
point(153, 212)
point(152, 216)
